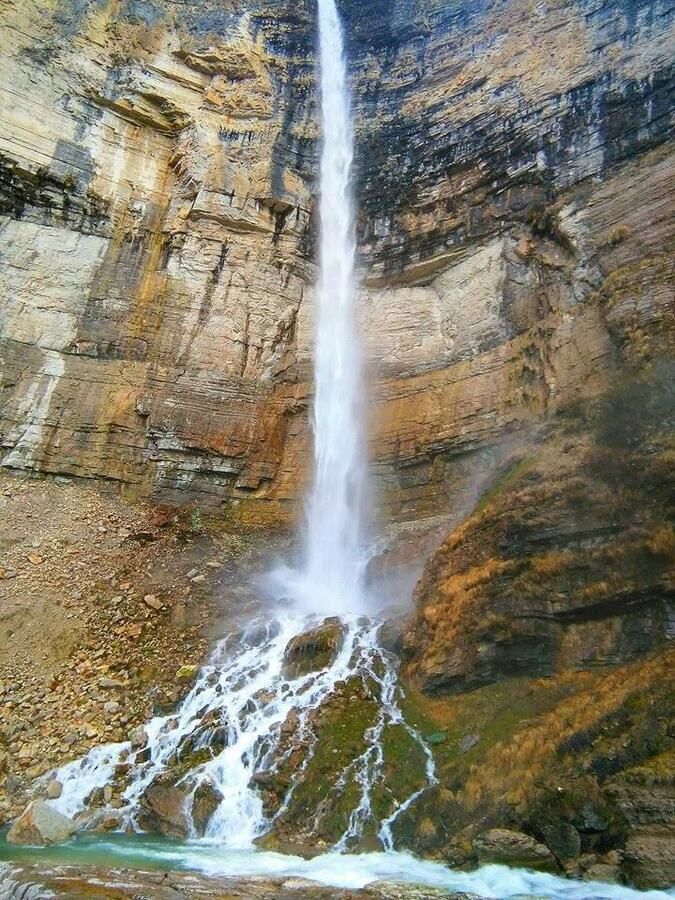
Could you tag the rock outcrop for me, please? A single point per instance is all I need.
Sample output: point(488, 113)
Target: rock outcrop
point(568, 560)
point(157, 234)
point(39, 824)
point(544, 628)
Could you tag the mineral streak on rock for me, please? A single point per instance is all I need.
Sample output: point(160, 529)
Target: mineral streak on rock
point(157, 246)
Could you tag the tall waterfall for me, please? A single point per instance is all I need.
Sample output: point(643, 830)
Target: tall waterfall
point(247, 712)
point(333, 578)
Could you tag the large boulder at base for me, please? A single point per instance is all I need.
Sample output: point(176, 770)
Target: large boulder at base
point(650, 859)
point(39, 824)
point(206, 801)
point(513, 848)
point(163, 810)
point(314, 650)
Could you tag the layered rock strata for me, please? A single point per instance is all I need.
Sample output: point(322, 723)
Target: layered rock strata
point(156, 245)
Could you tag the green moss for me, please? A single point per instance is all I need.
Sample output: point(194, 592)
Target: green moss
point(493, 714)
point(660, 769)
point(404, 770)
point(340, 739)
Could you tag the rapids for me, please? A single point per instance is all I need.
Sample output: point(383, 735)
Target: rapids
point(357, 871)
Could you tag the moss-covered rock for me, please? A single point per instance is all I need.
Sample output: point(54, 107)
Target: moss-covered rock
point(314, 650)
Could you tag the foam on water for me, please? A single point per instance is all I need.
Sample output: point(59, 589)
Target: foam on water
point(353, 872)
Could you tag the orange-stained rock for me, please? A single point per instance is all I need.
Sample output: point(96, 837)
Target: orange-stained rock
point(157, 194)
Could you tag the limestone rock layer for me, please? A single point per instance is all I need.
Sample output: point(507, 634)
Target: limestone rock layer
point(157, 222)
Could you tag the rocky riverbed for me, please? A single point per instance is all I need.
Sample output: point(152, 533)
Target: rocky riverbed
point(35, 882)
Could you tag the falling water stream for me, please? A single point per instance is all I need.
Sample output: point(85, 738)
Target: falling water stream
point(235, 719)
point(330, 579)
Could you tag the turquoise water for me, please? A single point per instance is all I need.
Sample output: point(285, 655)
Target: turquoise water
point(338, 870)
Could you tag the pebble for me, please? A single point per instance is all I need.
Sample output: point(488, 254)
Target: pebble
point(54, 790)
point(153, 602)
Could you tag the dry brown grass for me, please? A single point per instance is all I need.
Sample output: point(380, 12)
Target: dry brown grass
point(606, 587)
point(513, 771)
point(550, 564)
point(661, 542)
point(615, 236)
point(457, 595)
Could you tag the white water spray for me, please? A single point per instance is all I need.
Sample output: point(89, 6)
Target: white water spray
point(331, 581)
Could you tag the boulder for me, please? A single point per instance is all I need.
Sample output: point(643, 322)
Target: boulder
point(163, 810)
point(138, 737)
point(562, 839)
point(650, 858)
point(54, 790)
point(314, 650)
point(39, 825)
point(603, 872)
point(205, 802)
point(589, 821)
point(99, 820)
point(513, 848)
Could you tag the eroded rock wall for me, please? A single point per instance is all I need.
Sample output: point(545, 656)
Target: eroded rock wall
point(158, 219)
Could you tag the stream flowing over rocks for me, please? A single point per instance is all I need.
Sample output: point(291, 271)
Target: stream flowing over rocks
point(239, 759)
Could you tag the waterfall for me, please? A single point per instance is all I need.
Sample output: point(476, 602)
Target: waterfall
point(331, 581)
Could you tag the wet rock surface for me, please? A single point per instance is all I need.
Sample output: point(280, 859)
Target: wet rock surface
point(78, 883)
point(314, 650)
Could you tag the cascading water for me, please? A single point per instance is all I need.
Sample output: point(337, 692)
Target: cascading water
point(246, 714)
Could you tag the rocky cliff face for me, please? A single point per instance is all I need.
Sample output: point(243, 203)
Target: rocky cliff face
point(156, 247)
point(516, 180)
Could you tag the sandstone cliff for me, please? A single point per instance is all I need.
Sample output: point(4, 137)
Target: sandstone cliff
point(156, 247)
